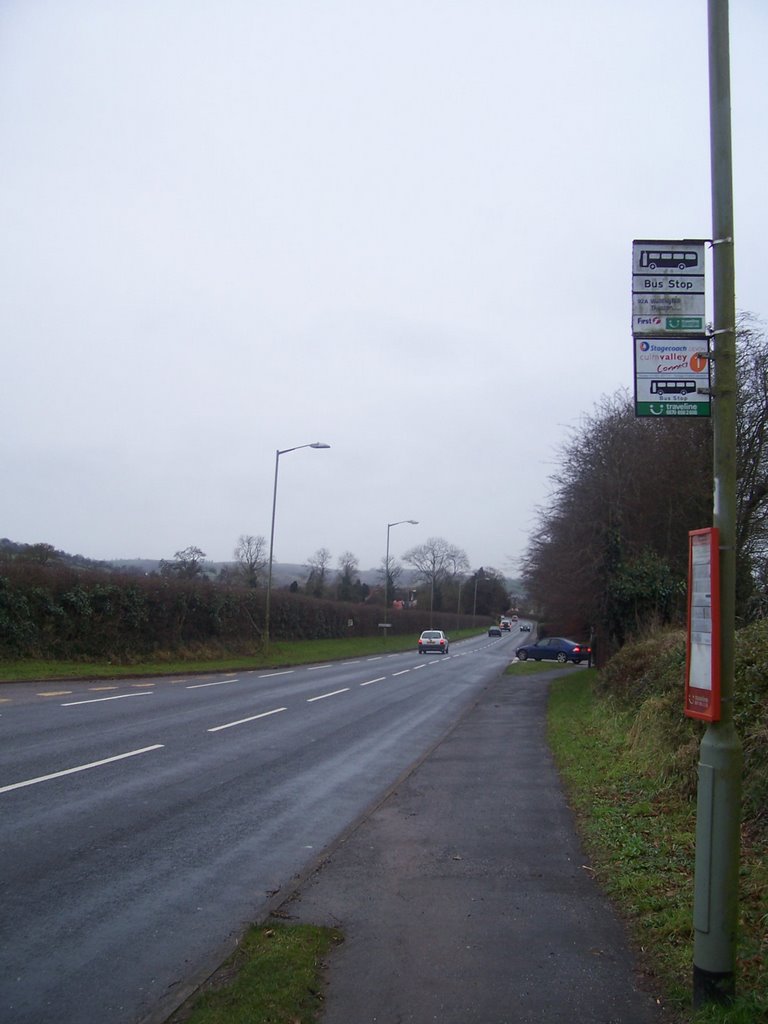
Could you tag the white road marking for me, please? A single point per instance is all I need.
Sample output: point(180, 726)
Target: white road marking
point(314, 668)
point(100, 700)
point(380, 679)
point(242, 721)
point(377, 658)
point(269, 675)
point(221, 682)
point(324, 695)
point(400, 673)
point(80, 768)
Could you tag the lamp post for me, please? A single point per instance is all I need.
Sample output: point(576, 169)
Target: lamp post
point(462, 581)
point(278, 453)
point(413, 522)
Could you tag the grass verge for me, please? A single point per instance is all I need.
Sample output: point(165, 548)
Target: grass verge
point(639, 832)
point(293, 652)
point(274, 977)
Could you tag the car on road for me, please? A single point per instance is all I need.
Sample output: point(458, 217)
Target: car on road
point(525, 627)
point(494, 631)
point(555, 648)
point(506, 624)
point(433, 640)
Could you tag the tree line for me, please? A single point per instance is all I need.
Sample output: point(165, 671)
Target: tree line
point(53, 608)
point(440, 572)
point(609, 554)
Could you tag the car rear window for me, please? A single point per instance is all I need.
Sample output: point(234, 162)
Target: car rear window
point(431, 635)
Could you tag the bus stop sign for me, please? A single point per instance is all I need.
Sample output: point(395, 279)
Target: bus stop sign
point(668, 296)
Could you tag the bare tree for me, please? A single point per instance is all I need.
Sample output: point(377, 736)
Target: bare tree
point(317, 566)
point(436, 562)
point(251, 558)
point(345, 580)
point(187, 564)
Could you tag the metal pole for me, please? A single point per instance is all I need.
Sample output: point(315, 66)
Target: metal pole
point(386, 582)
point(458, 603)
point(267, 603)
point(413, 522)
point(718, 815)
point(271, 552)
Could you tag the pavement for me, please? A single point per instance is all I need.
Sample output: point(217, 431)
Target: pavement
point(465, 896)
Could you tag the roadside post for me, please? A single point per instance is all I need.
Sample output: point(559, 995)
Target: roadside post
point(718, 813)
point(673, 355)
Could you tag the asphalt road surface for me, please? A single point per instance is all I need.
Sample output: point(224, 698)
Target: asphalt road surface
point(145, 823)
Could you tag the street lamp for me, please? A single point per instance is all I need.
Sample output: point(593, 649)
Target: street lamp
point(462, 581)
point(278, 453)
point(413, 522)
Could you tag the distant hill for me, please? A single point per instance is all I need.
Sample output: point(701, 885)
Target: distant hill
point(283, 573)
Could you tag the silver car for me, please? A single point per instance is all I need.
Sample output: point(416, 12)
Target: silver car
point(433, 641)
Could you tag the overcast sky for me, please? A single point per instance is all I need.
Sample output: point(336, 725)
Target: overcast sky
point(399, 227)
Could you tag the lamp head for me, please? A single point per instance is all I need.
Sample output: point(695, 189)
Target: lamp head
point(319, 444)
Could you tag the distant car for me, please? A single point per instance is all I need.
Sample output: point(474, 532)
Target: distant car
point(555, 648)
point(494, 631)
point(433, 640)
point(525, 627)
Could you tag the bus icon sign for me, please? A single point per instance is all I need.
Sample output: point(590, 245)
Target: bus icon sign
point(666, 259)
point(668, 293)
point(673, 387)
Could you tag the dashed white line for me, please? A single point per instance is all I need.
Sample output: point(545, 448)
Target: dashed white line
point(242, 721)
point(322, 696)
point(269, 675)
point(314, 668)
point(380, 679)
point(80, 768)
point(220, 682)
point(400, 673)
point(100, 700)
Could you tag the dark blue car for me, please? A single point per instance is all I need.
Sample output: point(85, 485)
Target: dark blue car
point(555, 648)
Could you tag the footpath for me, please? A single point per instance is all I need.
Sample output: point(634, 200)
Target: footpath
point(465, 898)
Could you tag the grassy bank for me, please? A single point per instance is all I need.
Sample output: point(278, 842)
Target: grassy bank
point(638, 826)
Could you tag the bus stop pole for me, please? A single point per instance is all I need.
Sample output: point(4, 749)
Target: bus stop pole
point(718, 815)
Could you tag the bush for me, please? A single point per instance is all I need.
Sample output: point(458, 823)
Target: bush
point(648, 676)
point(65, 613)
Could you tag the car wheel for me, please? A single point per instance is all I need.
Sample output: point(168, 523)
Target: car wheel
point(562, 657)
point(522, 655)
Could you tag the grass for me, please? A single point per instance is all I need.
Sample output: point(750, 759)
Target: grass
point(293, 652)
point(274, 977)
point(531, 668)
point(640, 835)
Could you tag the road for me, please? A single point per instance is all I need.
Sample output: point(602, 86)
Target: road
point(145, 823)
